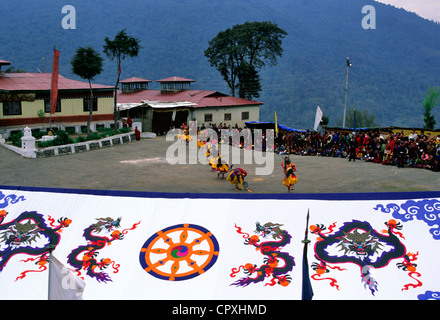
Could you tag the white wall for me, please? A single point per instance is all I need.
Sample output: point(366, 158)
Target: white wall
point(218, 115)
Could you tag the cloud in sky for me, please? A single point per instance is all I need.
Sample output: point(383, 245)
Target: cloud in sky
point(429, 9)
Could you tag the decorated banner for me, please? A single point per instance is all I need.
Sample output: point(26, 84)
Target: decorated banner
point(132, 245)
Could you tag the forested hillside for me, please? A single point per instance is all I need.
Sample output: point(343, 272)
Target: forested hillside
point(393, 65)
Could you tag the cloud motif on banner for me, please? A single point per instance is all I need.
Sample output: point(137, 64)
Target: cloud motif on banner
point(429, 295)
point(10, 198)
point(424, 210)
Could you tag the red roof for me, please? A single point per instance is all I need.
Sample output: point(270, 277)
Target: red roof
point(134, 79)
point(42, 82)
point(203, 98)
point(175, 79)
point(4, 62)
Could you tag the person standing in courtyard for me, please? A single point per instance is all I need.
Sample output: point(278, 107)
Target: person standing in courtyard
point(129, 122)
point(352, 149)
point(137, 134)
point(290, 179)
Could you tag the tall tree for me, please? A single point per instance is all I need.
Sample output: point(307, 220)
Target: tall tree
point(238, 53)
point(431, 100)
point(324, 121)
point(87, 63)
point(364, 119)
point(118, 49)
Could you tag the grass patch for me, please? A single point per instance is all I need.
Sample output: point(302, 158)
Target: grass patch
point(64, 137)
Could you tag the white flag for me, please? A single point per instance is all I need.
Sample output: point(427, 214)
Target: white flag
point(64, 284)
point(318, 118)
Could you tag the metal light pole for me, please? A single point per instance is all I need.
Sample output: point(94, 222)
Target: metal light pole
point(346, 90)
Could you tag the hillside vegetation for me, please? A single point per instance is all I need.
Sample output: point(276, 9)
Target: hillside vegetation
point(393, 65)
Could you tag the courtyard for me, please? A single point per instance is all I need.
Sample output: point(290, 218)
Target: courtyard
point(142, 166)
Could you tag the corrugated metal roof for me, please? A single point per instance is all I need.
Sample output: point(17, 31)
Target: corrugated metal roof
point(127, 106)
point(134, 79)
point(175, 79)
point(42, 82)
point(168, 104)
point(201, 98)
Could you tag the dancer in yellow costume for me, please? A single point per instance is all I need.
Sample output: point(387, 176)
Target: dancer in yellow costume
point(221, 167)
point(289, 176)
point(236, 177)
point(212, 162)
point(200, 143)
point(184, 136)
point(212, 149)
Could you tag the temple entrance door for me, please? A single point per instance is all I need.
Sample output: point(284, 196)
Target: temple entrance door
point(181, 117)
point(161, 121)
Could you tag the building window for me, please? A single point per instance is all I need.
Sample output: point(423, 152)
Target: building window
point(47, 105)
point(245, 115)
point(228, 117)
point(86, 104)
point(208, 117)
point(12, 108)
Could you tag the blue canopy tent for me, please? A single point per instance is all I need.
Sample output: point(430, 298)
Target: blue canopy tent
point(271, 125)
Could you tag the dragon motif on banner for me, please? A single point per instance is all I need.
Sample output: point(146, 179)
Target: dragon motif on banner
point(424, 210)
point(32, 235)
point(85, 257)
point(276, 263)
point(356, 242)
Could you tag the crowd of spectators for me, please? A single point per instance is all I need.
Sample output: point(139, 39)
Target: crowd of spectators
point(415, 150)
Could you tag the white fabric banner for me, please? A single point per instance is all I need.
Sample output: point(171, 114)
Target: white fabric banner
point(318, 118)
point(165, 246)
point(63, 283)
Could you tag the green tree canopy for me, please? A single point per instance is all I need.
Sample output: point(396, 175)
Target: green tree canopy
point(364, 118)
point(87, 63)
point(431, 100)
point(118, 49)
point(238, 53)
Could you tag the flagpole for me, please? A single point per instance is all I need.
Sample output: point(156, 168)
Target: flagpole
point(51, 247)
point(50, 98)
point(54, 85)
point(306, 233)
point(307, 290)
point(346, 89)
point(354, 120)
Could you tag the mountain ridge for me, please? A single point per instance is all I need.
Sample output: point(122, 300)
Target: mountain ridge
point(393, 65)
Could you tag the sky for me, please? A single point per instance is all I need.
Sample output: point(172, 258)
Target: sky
point(429, 9)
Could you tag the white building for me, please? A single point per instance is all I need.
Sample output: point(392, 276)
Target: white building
point(176, 103)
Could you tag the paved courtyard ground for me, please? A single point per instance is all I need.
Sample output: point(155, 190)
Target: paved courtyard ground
point(142, 166)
